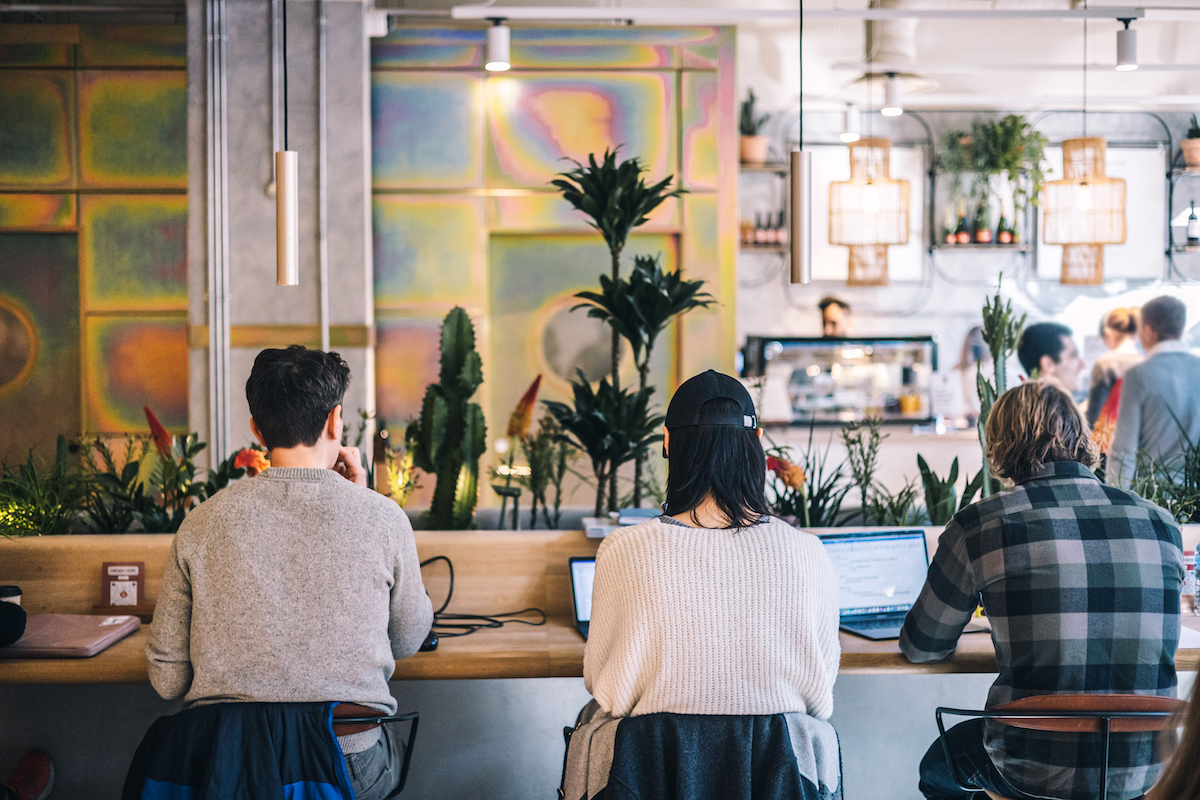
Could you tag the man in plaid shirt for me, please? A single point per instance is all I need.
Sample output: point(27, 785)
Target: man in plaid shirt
point(1081, 583)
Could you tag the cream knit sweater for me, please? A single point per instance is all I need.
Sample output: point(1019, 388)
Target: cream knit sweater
point(700, 621)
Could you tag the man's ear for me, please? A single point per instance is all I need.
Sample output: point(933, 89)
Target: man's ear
point(1046, 366)
point(257, 433)
point(333, 424)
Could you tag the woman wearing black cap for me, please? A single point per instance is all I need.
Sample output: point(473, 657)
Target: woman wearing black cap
point(715, 607)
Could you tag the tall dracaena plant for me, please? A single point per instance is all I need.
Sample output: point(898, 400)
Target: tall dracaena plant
point(1001, 330)
point(617, 199)
point(639, 309)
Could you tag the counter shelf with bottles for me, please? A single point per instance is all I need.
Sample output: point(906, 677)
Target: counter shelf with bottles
point(835, 381)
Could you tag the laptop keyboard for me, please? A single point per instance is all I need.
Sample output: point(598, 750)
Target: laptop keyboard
point(875, 624)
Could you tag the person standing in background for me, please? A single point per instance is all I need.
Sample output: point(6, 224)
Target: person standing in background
point(1118, 329)
point(835, 318)
point(1160, 398)
point(1047, 350)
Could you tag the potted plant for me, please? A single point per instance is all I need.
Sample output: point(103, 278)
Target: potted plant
point(754, 145)
point(1191, 145)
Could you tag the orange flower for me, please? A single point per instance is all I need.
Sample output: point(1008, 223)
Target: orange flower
point(522, 416)
point(162, 439)
point(251, 460)
point(791, 474)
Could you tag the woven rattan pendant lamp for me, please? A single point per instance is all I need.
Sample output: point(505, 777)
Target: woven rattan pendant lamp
point(1086, 209)
point(869, 212)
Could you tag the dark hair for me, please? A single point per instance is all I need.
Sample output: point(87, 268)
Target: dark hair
point(1181, 779)
point(1033, 425)
point(291, 393)
point(723, 461)
point(1166, 316)
point(826, 302)
point(1041, 339)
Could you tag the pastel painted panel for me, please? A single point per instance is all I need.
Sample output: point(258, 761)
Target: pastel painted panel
point(133, 129)
point(39, 343)
point(35, 124)
point(549, 212)
point(701, 118)
point(133, 46)
point(426, 130)
point(134, 362)
point(35, 54)
point(405, 48)
point(428, 250)
point(37, 212)
point(407, 352)
point(133, 252)
point(538, 121)
point(533, 283)
point(708, 253)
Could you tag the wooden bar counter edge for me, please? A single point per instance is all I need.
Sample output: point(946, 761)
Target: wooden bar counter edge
point(495, 571)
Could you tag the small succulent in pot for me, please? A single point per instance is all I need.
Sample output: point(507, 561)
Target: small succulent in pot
point(753, 145)
point(1191, 145)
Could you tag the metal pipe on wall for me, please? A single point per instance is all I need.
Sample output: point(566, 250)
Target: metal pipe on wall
point(217, 195)
point(322, 172)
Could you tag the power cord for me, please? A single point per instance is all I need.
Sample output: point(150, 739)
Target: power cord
point(447, 625)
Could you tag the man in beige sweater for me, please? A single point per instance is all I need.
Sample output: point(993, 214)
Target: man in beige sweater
point(300, 584)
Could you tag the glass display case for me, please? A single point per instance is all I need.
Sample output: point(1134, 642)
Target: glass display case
point(842, 380)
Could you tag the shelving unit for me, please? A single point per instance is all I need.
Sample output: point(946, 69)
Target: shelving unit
point(1024, 247)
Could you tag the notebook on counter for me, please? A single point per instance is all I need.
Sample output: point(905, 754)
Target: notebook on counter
point(70, 635)
point(880, 574)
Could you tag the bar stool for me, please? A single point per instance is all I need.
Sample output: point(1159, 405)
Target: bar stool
point(1070, 713)
point(351, 718)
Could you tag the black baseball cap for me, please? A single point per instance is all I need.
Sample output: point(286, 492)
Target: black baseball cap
point(684, 411)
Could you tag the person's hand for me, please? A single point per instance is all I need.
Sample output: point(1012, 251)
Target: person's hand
point(349, 466)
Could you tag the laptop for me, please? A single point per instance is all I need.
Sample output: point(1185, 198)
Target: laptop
point(583, 573)
point(70, 635)
point(880, 574)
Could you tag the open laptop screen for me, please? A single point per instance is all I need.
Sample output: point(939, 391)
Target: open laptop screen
point(878, 571)
point(583, 573)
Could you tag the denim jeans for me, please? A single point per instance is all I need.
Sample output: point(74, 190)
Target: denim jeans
point(971, 762)
point(375, 772)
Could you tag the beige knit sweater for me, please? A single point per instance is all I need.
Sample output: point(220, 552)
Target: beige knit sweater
point(700, 621)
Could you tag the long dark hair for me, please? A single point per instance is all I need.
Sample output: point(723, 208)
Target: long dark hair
point(723, 461)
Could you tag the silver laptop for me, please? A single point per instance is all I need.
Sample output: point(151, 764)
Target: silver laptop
point(583, 573)
point(880, 574)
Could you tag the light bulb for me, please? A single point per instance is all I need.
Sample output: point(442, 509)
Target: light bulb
point(870, 199)
point(1083, 200)
point(497, 48)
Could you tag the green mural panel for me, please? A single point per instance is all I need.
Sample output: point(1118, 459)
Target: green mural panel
point(39, 342)
point(533, 283)
point(133, 129)
point(35, 54)
point(35, 124)
point(133, 252)
point(426, 130)
point(428, 250)
point(37, 212)
point(134, 362)
point(133, 46)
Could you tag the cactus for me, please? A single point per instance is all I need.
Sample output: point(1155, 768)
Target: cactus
point(450, 436)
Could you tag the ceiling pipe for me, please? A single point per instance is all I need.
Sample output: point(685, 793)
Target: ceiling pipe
point(719, 16)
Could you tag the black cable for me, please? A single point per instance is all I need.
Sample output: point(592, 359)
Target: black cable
point(801, 140)
point(285, 86)
point(465, 624)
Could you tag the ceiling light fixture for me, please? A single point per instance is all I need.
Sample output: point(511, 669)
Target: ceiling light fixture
point(497, 46)
point(850, 124)
point(1126, 48)
point(893, 104)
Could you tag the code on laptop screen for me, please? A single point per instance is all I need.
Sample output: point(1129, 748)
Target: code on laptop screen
point(877, 572)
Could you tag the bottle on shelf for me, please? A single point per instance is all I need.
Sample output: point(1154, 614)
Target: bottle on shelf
point(770, 236)
point(781, 231)
point(962, 234)
point(948, 228)
point(747, 233)
point(1004, 231)
point(1193, 231)
point(983, 223)
point(760, 233)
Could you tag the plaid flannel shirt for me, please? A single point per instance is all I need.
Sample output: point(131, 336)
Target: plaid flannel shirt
point(1081, 583)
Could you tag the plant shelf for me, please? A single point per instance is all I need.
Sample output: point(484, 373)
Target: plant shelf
point(766, 248)
point(777, 168)
point(1023, 247)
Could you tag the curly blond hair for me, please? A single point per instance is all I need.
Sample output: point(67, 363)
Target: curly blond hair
point(1033, 425)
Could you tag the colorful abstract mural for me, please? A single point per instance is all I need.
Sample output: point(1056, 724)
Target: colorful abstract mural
point(101, 301)
point(464, 214)
point(39, 341)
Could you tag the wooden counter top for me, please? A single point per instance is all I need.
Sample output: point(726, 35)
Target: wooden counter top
point(494, 572)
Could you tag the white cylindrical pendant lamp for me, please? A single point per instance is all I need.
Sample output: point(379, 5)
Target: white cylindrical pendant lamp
point(287, 219)
point(893, 104)
point(850, 125)
point(497, 48)
point(1127, 49)
point(800, 218)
